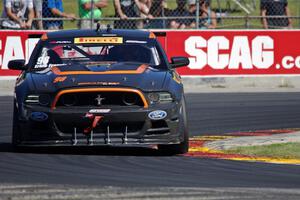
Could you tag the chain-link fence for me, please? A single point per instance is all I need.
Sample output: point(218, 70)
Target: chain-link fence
point(150, 14)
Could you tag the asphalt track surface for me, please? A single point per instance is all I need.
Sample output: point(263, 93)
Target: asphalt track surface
point(209, 114)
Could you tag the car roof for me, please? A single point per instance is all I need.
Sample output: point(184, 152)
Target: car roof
point(127, 34)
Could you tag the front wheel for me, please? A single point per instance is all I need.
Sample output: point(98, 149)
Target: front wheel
point(183, 147)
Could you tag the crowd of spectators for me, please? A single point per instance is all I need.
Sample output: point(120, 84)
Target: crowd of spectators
point(182, 17)
point(49, 14)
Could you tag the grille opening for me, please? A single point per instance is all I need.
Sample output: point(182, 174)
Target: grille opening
point(99, 99)
point(39, 125)
point(159, 124)
point(114, 127)
point(69, 100)
point(158, 127)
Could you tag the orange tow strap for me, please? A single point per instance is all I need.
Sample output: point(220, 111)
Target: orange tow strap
point(96, 120)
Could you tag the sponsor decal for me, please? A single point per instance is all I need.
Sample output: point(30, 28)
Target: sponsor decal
point(42, 62)
point(60, 42)
point(98, 111)
point(157, 115)
point(136, 41)
point(56, 65)
point(176, 77)
point(99, 83)
point(95, 40)
point(59, 79)
point(38, 116)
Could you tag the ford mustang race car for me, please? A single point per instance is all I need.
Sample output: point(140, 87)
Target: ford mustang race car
point(100, 87)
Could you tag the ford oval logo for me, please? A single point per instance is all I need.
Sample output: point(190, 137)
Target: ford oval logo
point(39, 116)
point(157, 115)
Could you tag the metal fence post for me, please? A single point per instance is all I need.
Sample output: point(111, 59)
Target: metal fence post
point(220, 11)
point(197, 13)
point(92, 14)
point(247, 22)
point(163, 15)
point(298, 14)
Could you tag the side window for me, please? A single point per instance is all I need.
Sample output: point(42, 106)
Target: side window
point(69, 53)
point(48, 58)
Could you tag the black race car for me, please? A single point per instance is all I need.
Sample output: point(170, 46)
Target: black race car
point(100, 87)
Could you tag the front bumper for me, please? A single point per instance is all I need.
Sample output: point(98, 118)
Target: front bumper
point(121, 126)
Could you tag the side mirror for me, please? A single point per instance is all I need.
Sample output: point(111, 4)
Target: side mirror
point(17, 64)
point(179, 62)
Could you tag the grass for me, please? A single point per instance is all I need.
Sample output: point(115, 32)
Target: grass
point(71, 6)
point(286, 150)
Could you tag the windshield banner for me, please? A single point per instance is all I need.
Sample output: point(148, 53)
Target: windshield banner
point(211, 53)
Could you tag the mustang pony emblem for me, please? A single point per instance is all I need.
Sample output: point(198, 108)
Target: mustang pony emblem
point(99, 100)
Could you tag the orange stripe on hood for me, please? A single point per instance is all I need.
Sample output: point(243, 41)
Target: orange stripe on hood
point(141, 69)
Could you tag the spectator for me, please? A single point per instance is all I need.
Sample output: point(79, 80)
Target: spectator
point(144, 7)
point(158, 9)
point(38, 6)
point(123, 10)
point(14, 11)
point(180, 11)
point(85, 13)
point(207, 16)
point(54, 9)
point(275, 8)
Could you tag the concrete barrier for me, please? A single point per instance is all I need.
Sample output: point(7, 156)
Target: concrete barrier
point(7, 84)
point(211, 85)
point(242, 84)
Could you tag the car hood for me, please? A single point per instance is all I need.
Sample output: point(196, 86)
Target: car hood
point(132, 75)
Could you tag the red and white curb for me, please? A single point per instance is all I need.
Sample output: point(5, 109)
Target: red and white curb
point(198, 149)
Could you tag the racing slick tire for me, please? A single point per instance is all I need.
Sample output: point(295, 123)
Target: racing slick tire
point(16, 132)
point(183, 147)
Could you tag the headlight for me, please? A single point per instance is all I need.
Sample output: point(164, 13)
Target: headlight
point(32, 99)
point(43, 99)
point(160, 97)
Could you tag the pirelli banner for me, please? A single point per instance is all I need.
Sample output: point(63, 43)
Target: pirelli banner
point(211, 53)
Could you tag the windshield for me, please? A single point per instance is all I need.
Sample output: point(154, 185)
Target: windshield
point(53, 54)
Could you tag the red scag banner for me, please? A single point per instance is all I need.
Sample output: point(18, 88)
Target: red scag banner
point(211, 53)
point(15, 45)
point(228, 53)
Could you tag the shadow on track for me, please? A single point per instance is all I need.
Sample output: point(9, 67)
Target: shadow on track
point(84, 150)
